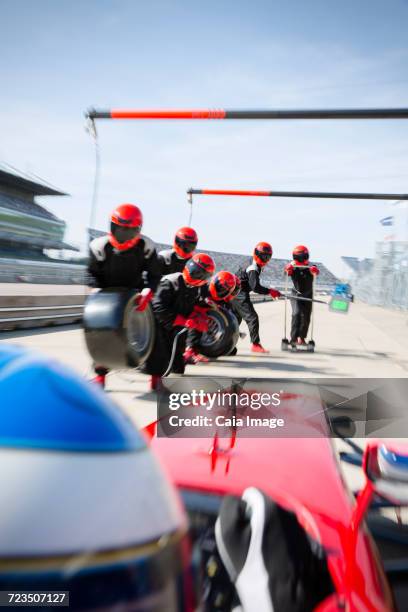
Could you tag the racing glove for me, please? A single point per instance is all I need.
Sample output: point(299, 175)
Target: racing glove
point(203, 325)
point(192, 322)
point(201, 310)
point(314, 270)
point(179, 321)
point(200, 317)
point(289, 269)
point(274, 293)
point(143, 299)
point(198, 322)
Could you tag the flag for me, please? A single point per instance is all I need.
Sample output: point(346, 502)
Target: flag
point(387, 221)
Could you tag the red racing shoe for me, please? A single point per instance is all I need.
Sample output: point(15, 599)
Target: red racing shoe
point(99, 380)
point(155, 382)
point(192, 357)
point(258, 348)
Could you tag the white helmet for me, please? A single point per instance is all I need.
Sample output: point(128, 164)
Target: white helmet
point(85, 506)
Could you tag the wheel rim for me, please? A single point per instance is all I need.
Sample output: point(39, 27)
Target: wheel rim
point(138, 332)
point(214, 332)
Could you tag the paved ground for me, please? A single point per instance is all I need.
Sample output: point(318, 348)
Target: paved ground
point(368, 342)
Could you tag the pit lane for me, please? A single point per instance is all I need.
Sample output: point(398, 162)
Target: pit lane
point(369, 342)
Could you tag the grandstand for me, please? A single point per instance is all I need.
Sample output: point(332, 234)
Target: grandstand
point(27, 230)
point(26, 227)
point(64, 273)
point(382, 281)
point(359, 266)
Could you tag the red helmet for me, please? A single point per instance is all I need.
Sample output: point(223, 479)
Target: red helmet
point(236, 289)
point(199, 269)
point(222, 285)
point(262, 253)
point(185, 242)
point(126, 223)
point(301, 254)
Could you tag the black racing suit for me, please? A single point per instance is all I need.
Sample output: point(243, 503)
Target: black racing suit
point(135, 268)
point(173, 298)
point(302, 280)
point(242, 305)
point(170, 262)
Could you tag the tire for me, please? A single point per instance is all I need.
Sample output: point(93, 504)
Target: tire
point(223, 333)
point(140, 329)
point(115, 334)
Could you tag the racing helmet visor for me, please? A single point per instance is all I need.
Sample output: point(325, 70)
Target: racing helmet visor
point(221, 289)
point(187, 246)
point(197, 272)
point(301, 257)
point(263, 256)
point(122, 234)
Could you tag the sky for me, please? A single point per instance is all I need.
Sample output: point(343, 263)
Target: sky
point(60, 57)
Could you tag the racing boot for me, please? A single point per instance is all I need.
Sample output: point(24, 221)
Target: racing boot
point(100, 377)
point(99, 380)
point(258, 348)
point(155, 382)
point(192, 357)
point(201, 358)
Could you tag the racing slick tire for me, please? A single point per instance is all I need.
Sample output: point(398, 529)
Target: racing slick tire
point(222, 335)
point(116, 335)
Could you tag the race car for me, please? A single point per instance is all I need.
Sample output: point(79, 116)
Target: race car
point(299, 469)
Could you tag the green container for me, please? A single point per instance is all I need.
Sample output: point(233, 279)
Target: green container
point(338, 304)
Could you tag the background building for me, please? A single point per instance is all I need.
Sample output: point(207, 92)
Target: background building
point(26, 227)
point(383, 280)
point(28, 230)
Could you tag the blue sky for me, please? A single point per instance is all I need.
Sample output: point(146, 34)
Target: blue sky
point(57, 58)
